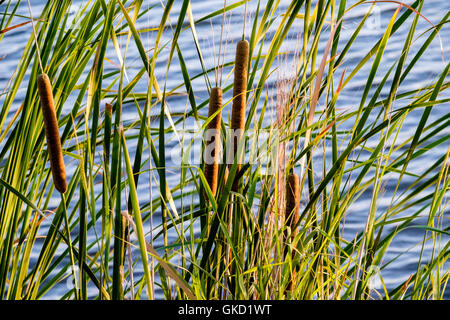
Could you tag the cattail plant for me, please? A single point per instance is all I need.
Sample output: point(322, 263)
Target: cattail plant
point(108, 108)
point(52, 133)
point(107, 139)
point(239, 100)
point(292, 200)
point(213, 139)
point(55, 154)
point(291, 212)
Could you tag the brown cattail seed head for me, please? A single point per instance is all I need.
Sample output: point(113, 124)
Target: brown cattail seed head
point(240, 85)
point(291, 215)
point(52, 133)
point(292, 201)
point(213, 139)
point(108, 108)
point(239, 98)
point(239, 89)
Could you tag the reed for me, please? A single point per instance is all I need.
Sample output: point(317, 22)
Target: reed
point(291, 215)
point(211, 170)
point(108, 109)
point(52, 133)
point(239, 102)
point(292, 201)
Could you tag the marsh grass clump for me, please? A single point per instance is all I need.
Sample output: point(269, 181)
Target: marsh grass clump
point(52, 133)
point(383, 162)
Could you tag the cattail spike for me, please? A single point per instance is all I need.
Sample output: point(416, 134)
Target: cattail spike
point(239, 98)
point(292, 201)
point(52, 133)
point(213, 139)
point(240, 85)
point(108, 108)
point(291, 213)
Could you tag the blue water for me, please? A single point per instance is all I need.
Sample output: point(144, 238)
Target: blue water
point(407, 242)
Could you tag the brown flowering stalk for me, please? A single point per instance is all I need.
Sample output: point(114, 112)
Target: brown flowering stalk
point(239, 99)
point(211, 170)
point(52, 133)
